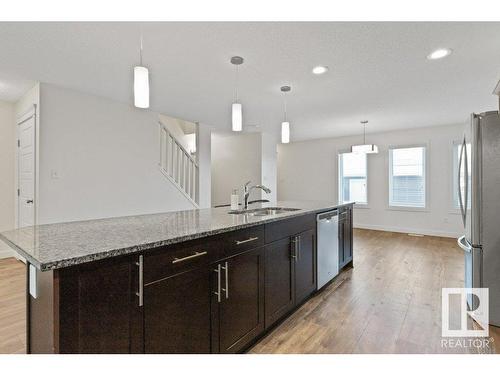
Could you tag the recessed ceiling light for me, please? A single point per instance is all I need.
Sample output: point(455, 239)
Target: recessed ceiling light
point(320, 70)
point(439, 54)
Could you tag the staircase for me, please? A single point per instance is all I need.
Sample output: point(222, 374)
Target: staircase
point(179, 166)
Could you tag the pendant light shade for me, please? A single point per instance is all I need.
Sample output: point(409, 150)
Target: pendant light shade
point(141, 87)
point(237, 117)
point(285, 132)
point(285, 125)
point(237, 108)
point(141, 83)
point(365, 148)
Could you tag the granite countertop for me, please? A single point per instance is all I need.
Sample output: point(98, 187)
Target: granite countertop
point(53, 246)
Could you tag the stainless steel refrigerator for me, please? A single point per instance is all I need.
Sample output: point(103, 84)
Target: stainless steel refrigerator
point(479, 199)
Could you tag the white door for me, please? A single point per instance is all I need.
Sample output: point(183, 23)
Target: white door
point(26, 172)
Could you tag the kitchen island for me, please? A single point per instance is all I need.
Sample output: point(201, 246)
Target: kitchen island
point(197, 281)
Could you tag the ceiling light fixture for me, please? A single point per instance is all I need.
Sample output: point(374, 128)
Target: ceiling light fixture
point(236, 109)
point(320, 70)
point(141, 84)
point(285, 125)
point(364, 148)
point(439, 54)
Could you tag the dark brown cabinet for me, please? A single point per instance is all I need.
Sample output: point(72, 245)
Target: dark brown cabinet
point(237, 301)
point(177, 313)
point(345, 237)
point(290, 274)
point(305, 265)
point(280, 280)
point(98, 308)
point(216, 294)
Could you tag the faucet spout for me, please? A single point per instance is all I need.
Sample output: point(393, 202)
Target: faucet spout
point(247, 190)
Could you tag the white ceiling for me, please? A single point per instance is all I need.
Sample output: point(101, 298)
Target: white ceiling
point(378, 71)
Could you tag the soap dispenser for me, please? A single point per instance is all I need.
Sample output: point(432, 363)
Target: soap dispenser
point(235, 200)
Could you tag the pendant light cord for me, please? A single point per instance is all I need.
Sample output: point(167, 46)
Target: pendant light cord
point(364, 134)
point(236, 85)
point(284, 102)
point(140, 52)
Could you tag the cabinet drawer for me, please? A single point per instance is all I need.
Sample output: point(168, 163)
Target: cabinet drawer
point(173, 259)
point(286, 228)
point(241, 240)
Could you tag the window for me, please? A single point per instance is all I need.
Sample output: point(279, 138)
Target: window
point(407, 177)
point(352, 178)
point(457, 147)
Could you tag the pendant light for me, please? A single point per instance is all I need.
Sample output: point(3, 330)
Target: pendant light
point(364, 148)
point(141, 84)
point(236, 109)
point(285, 125)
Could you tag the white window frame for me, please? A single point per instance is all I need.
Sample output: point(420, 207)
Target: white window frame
point(426, 166)
point(339, 179)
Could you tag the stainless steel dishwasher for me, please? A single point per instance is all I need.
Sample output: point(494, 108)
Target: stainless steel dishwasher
point(328, 246)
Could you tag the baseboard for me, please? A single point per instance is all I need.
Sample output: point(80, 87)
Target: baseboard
point(437, 233)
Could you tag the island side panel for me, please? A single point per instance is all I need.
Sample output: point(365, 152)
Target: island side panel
point(41, 325)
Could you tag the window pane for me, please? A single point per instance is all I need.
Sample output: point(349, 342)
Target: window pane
point(407, 177)
point(352, 178)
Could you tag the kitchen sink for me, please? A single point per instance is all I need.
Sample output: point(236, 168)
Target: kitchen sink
point(267, 211)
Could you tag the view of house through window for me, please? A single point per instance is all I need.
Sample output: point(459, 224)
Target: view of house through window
point(407, 177)
point(352, 178)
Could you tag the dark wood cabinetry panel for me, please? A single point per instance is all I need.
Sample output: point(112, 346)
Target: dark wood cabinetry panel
point(345, 237)
point(262, 273)
point(177, 314)
point(98, 308)
point(280, 276)
point(239, 316)
point(305, 265)
point(290, 227)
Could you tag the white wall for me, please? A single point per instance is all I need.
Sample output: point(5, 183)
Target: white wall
point(7, 172)
point(269, 160)
point(99, 158)
point(308, 171)
point(236, 159)
point(204, 151)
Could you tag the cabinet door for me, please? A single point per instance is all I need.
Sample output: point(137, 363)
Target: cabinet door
point(280, 276)
point(305, 265)
point(240, 312)
point(99, 309)
point(347, 236)
point(177, 314)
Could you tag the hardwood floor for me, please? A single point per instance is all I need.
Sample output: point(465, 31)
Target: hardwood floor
point(12, 306)
point(390, 302)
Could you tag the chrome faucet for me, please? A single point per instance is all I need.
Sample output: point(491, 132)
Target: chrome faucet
point(247, 190)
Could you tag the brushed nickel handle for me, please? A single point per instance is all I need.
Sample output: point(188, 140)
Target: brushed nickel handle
point(293, 248)
point(140, 293)
point(226, 289)
point(248, 240)
point(297, 246)
point(195, 255)
point(218, 292)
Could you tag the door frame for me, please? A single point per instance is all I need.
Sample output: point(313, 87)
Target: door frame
point(27, 114)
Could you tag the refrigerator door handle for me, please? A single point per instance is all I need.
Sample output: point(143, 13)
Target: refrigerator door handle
point(462, 242)
point(466, 165)
point(459, 174)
